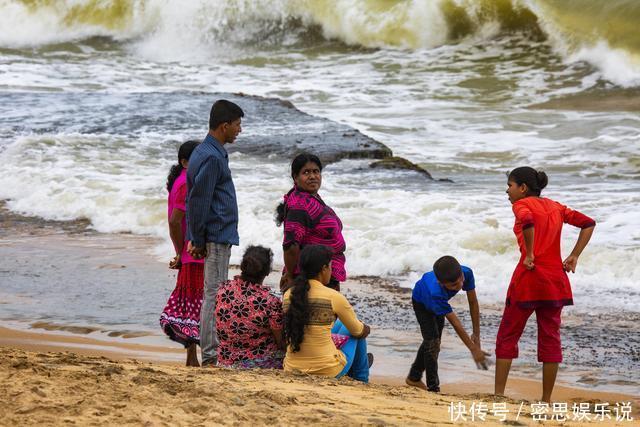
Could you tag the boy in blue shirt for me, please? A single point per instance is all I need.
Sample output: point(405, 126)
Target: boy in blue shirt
point(430, 299)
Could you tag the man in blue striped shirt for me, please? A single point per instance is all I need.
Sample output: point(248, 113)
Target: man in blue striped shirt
point(212, 213)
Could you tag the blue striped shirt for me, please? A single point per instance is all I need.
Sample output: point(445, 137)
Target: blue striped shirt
point(212, 208)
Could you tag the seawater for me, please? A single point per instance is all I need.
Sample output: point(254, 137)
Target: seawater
point(449, 85)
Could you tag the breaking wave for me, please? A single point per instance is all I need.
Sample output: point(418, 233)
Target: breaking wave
point(601, 33)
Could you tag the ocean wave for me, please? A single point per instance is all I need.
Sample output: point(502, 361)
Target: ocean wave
point(406, 24)
point(600, 33)
point(117, 187)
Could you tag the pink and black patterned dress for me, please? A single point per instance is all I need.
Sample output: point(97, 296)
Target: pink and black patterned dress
point(245, 315)
point(180, 319)
point(309, 221)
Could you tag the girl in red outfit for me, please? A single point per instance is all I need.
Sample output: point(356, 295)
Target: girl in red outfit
point(539, 282)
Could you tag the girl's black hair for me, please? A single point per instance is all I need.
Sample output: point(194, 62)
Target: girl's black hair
point(256, 264)
point(184, 152)
point(296, 166)
point(536, 180)
point(296, 318)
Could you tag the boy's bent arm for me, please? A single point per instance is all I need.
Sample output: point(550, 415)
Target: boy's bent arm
point(478, 354)
point(474, 309)
point(457, 325)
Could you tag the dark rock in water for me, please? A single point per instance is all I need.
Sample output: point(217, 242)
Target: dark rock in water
point(273, 127)
point(393, 163)
point(292, 132)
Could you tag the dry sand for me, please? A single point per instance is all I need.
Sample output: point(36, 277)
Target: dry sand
point(52, 387)
point(67, 388)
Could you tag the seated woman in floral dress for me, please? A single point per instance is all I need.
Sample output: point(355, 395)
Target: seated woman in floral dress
point(249, 318)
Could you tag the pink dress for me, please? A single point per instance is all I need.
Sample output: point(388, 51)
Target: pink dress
point(180, 319)
point(309, 221)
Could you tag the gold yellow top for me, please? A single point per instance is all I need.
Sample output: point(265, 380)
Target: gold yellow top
point(318, 354)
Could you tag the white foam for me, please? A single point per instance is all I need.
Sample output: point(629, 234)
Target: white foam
point(616, 65)
point(389, 230)
point(204, 30)
point(66, 177)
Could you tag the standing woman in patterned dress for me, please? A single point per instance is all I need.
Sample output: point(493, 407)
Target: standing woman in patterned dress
point(308, 220)
point(539, 282)
point(180, 319)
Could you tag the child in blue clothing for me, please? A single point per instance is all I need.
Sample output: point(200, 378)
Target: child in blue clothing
point(430, 299)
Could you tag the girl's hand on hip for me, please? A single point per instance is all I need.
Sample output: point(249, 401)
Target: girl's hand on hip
point(528, 262)
point(570, 263)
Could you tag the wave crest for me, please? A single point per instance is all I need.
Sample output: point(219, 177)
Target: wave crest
point(172, 29)
point(368, 23)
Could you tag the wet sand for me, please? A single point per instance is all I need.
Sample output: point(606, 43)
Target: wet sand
point(116, 291)
point(87, 346)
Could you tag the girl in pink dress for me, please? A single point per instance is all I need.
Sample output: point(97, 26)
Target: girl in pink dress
point(180, 319)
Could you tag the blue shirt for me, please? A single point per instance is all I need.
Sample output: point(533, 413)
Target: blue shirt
point(435, 297)
point(212, 208)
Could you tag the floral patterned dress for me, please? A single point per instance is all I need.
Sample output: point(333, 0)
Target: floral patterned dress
point(245, 315)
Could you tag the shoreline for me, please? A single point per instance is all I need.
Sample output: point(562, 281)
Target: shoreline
point(118, 288)
point(518, 388)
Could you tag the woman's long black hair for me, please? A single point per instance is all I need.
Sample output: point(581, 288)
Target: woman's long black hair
point(296, 166)
point(296, 318)
point(184, 152)
point(536, 180)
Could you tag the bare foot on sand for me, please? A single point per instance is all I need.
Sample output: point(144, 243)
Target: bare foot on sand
point(418, 384)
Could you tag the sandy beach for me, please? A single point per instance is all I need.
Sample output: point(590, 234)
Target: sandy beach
point(75, 388)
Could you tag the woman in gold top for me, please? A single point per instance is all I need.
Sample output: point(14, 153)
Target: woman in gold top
point(310, 310)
